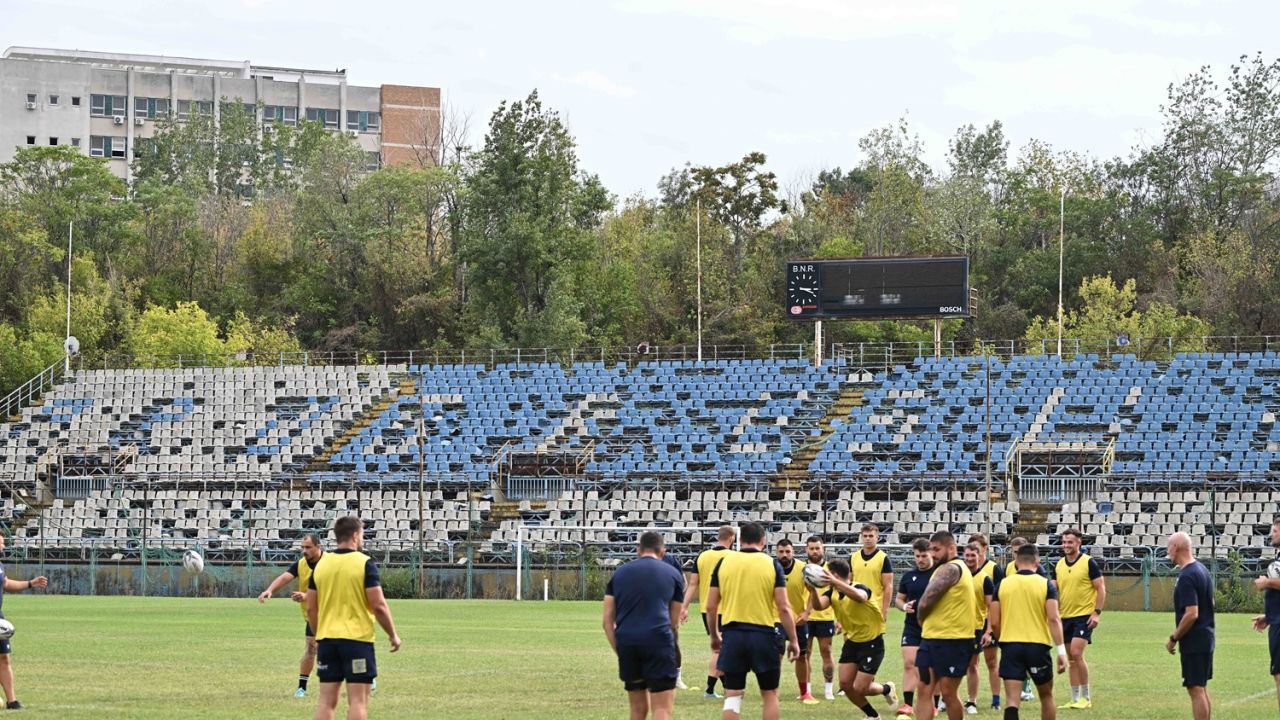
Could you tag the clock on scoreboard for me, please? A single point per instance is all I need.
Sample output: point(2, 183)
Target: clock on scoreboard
point(876, 288)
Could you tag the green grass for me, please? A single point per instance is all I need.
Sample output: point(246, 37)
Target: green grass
point(118, 657)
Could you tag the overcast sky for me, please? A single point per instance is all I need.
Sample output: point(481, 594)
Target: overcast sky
point(647, 85)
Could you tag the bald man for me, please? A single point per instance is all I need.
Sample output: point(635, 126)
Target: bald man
point(1193, 637)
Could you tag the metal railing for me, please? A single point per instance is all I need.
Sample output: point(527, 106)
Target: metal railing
point(32, 390)
point(887, 355)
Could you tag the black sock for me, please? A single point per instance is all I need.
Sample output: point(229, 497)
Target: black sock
point(302, 682)
point(1011, 713)
point(909, 697)
point(870, 711)
point(711, 683)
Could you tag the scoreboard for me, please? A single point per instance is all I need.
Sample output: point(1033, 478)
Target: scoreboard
point(878, 288)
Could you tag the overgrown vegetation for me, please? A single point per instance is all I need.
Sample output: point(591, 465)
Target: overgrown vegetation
point(231, 242)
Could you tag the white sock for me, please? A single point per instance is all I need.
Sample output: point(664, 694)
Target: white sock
point(1084, 691)
point(1075, 693)
point(828, 687)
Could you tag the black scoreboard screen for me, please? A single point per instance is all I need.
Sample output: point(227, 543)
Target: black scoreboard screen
point(875, 288)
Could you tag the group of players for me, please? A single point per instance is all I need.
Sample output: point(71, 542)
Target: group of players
point(959, 606)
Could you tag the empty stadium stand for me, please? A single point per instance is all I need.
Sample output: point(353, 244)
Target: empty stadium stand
point(1123, 447)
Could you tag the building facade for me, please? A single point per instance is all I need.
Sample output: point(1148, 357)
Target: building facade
point(106, 103)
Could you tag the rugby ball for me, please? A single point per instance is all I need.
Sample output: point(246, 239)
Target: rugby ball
point(1273, 570)
point(192, 562)
point(6, 629)
point(815, 576)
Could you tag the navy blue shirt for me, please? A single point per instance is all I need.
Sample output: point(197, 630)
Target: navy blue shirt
point(643, 591)
point(674, 562)
point(1195, 587)
point(1270, 598)
point(912, 586)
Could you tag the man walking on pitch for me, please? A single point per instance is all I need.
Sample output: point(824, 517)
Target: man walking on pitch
point(673, 561)
point(871, 567)
point(642, 604)
point(910, 589)
point(1014, 544)
point(1269, 621)
point(1083, 593)
point(863, 626)
point(300, 569)
point(798, 596)
point(1024, 619)
point(1193, 637)
point(700, 586)
point(984, 588)
point(946, 613)
point(821, 624)
point(749, 596)
point(10, 585)
point(344, 598)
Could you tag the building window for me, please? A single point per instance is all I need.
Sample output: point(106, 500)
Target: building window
point(31, 97)
point(186, 107)
point(280, 113)
point(31, 139)
point(364, 121)
point(107, 105)
point(105, 146)
point(144, 146)
point(53, 141)
point(151, 108)
point(327, 116)
point(75, 142)
point(373, 160)
point(53, 100)
point(75, 101)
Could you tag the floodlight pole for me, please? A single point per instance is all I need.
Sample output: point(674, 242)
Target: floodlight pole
point(66, 351)
point(421, 427)
point(1062, 217)
point(698, 233)
point(987, 355)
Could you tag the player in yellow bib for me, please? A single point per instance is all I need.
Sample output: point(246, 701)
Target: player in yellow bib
point(859, 616)
point(986, 575)
point(798, 595)
point(1083, 592)
point(946, 611)
point(822, 623)
point(699, 586)
point(300, 569)
point(1024, 619)
point(344, 599)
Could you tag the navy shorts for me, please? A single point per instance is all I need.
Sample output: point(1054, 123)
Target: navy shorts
point(866, 655)
point(1077, 627)
point(308, 631)
point(802, 637)
point(977, 641)
point(647, 667)
point(822, 628)
point(1018, 661)
point(1273, 638)
point(1197, 668)
point(943, 658)
point(349, 660)
point(751, 651)
point(911, 636)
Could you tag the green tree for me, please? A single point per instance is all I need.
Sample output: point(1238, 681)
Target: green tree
point(162, 335)
point(1110, 310)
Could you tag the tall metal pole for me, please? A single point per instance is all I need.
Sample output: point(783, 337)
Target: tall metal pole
point(66, 367)
point(1062, 219)
point(421, 429)
point(987, 354)
point(698, 220)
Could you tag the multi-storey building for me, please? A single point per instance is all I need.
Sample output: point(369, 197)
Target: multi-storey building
point(106, 104)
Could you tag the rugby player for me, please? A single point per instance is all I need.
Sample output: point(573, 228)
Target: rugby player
point(699, 586)
point(863, 625)
point(1024, 620)
point(946, 612)
point(1083, 592)
point(301, 569)
point(910, 590)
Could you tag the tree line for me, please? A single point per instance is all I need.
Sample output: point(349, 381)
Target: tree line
point(233, 239)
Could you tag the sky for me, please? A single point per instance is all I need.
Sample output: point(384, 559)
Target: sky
point(648, 85)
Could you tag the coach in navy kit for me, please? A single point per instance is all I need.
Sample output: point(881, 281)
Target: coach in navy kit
point(1194, 635)
point(642, 605)
point(1269, 621)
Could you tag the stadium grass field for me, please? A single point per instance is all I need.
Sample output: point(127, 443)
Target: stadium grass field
point(129, 657)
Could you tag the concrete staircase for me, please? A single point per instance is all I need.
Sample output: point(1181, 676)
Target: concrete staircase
point(406, 386)
point(791, 477)
point(1033, 520)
